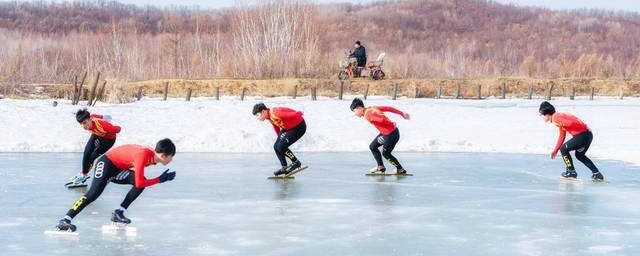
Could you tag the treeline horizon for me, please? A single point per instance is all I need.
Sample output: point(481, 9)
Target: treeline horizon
point(50, 42)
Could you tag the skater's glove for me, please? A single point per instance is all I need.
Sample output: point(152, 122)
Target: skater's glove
point(553, 154)
point(167, 176)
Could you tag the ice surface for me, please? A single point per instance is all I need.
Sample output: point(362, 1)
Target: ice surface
point(206, 125)
point(222, 204)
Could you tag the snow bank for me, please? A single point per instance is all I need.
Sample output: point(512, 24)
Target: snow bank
point(206, 125)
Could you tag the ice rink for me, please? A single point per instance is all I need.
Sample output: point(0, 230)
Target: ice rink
point(222, 204)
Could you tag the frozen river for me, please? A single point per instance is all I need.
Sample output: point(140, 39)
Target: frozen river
point(222, 204)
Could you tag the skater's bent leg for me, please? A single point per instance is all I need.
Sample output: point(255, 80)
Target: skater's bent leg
point(279, 147)
point(131, 196)
point(566, 157)
point(289, 154)
point(97, 186)
point(375, 151)
point(89, 149)
point(389, 144)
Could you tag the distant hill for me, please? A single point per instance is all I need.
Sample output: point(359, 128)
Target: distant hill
point(429, 38)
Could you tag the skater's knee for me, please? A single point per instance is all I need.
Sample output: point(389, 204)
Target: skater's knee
point(564, 150)
point(278, 147)
point(581, 156)
point(373, 147)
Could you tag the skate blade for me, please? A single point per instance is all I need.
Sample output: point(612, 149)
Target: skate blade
point(119, 227)
point(61, 233)
point(388, 174)
point(600, 182)
point(288, 176)
point(571, 179)
point(76, 186)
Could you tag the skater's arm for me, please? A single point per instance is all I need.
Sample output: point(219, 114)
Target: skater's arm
point(140, 180)
point(561, 137)
point(108, 127)
point(276, 129)
point(394, 110)
point(96, 116)
point(287, 114)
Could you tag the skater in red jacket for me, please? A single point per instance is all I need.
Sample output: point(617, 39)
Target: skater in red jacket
point(289, 126)
point(580, 141)
point(103, 136)
point(389, 133)
point(123, 165)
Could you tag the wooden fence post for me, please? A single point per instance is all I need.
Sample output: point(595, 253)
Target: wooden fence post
point(458, 87)
point(549, 90)
point(295, 91)
point(99, 93)
point(504, 91)
point(217, 94)
point(593, 92)
point(573, 93)
point(479, 91)
point(244, 91)
point(166, 90)
point(438, 92)
point(366, 91)
point(93, 88)
point(621, 94)
point(341, 90)
point(139, 96)
point(189, 94)
point(313, 93)
point(395, 91)
point(530, 94)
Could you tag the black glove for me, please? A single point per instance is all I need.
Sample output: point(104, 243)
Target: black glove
point(167, 176)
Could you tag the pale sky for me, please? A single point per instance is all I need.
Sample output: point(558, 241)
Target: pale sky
point(615, 5)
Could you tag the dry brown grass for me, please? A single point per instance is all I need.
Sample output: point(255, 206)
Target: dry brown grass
point(122, 92)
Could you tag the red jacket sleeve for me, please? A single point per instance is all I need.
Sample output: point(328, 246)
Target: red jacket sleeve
point(288, 114)
point(140, 180)
point(375, 117)
point(561, 137)
point(109, 128)
point(390, 109)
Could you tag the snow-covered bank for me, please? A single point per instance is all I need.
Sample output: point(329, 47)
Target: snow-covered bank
point(206, 125)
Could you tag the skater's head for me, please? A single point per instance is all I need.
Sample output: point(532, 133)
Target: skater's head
point(84, 118)
point(165, 150)
point(357, 106)
point(260, 111)
point(357, 44)
point(546, 111)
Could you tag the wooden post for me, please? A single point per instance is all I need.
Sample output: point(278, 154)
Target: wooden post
point(593, 92)
point(341, 90)
point(93, 88)
point(573, 93)
point(295, 91)
point(549, 90)
point(244, 90)
point(313, 92)
point(78, 93)
point(139, 96)
point(75, 89)
point(479, 92)
point(416, 93)
point(621, 94)
point(504, 91)
point(100, 93)
point(166, 90)
point(438, 92)
point(458, 87)
point(189, 94)
point(366, 92)
point(530, 92)
point(395, 91)
point(217, 94)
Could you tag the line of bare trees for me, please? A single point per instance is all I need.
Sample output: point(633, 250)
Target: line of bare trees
point(43, 42)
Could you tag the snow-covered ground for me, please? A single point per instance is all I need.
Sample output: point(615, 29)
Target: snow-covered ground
point(206, 125)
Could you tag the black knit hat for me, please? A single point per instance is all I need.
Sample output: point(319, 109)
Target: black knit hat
point(546, 108)
point(357, 102)
point(257, 108)
point(82, 114)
